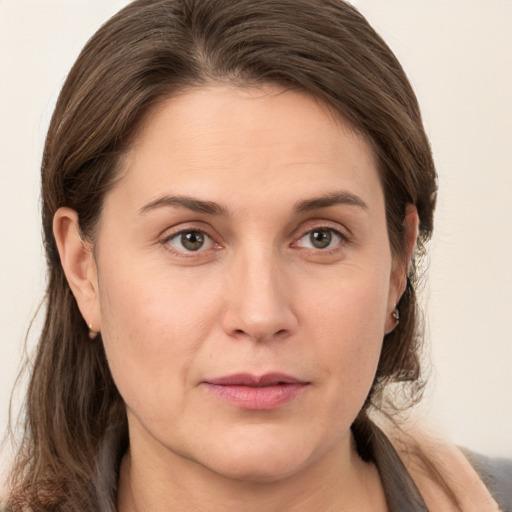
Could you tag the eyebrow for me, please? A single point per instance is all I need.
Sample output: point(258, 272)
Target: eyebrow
point(332, 199)
point(212, 208)
point(189, 203)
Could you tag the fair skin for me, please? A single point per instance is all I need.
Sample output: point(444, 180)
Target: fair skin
point(247, 235)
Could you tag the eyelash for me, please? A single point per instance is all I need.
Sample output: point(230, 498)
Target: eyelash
point(166, 242)
point(209, 240)
point(340, 244)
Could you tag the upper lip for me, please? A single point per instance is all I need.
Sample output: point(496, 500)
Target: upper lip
point(248, 379)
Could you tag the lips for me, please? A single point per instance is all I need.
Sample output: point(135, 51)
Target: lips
point(253, 392)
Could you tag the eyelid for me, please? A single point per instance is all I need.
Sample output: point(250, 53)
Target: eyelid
point(311, 225)
point(170, 234)
point(322, 225)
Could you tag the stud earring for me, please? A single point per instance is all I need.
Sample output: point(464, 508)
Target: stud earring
point(92, 333)
point(396, 315)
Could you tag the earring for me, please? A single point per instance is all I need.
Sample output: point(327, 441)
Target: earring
point(396, 315)
point(92, 333)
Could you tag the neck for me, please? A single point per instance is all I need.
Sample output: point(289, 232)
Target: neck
point(160, 480)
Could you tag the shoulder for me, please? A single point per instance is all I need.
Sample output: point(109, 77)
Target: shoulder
point(496, 473)
point(442, 473)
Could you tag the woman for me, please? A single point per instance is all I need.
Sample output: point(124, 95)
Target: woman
point(234, 198)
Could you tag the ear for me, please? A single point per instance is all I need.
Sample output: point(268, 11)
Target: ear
point(77, 260)
point(412, 228)
point(402, 264)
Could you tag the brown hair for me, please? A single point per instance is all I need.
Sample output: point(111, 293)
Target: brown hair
point(149, 51)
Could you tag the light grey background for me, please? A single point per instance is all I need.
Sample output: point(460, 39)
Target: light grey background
point(458, 54)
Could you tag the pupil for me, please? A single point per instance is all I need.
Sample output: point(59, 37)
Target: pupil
point(192, 240)
point(321, 238)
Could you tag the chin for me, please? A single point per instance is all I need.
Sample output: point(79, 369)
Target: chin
point(267, 471)
point(260, 464)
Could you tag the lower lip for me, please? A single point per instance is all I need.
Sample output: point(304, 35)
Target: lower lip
point(264, 398)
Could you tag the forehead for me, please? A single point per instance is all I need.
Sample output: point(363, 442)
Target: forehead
point(219, 140)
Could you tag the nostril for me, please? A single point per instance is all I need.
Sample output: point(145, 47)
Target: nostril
point(260, 336)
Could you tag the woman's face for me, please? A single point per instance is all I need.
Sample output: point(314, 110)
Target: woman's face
point(244, 281)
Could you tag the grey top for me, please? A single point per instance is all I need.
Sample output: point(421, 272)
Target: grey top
point(401, 492)
point(496, 473)
point(402, 495)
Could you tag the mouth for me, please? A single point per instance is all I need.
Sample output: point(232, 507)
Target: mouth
point(257, 393)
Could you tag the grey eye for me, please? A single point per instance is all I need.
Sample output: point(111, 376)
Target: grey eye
point(190, 241)
point(320, 238)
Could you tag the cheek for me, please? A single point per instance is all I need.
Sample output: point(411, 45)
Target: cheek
point(346, 318)
point(351, 303)
point(152, 330)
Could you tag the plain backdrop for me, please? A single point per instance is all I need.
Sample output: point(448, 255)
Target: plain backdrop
point(458, 55)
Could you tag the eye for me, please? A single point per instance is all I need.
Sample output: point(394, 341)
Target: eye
point(190, 240)
point(321, 238)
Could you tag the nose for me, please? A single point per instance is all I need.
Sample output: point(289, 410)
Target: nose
point(258, 298)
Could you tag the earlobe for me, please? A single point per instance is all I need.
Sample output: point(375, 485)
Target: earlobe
point(78, 263)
